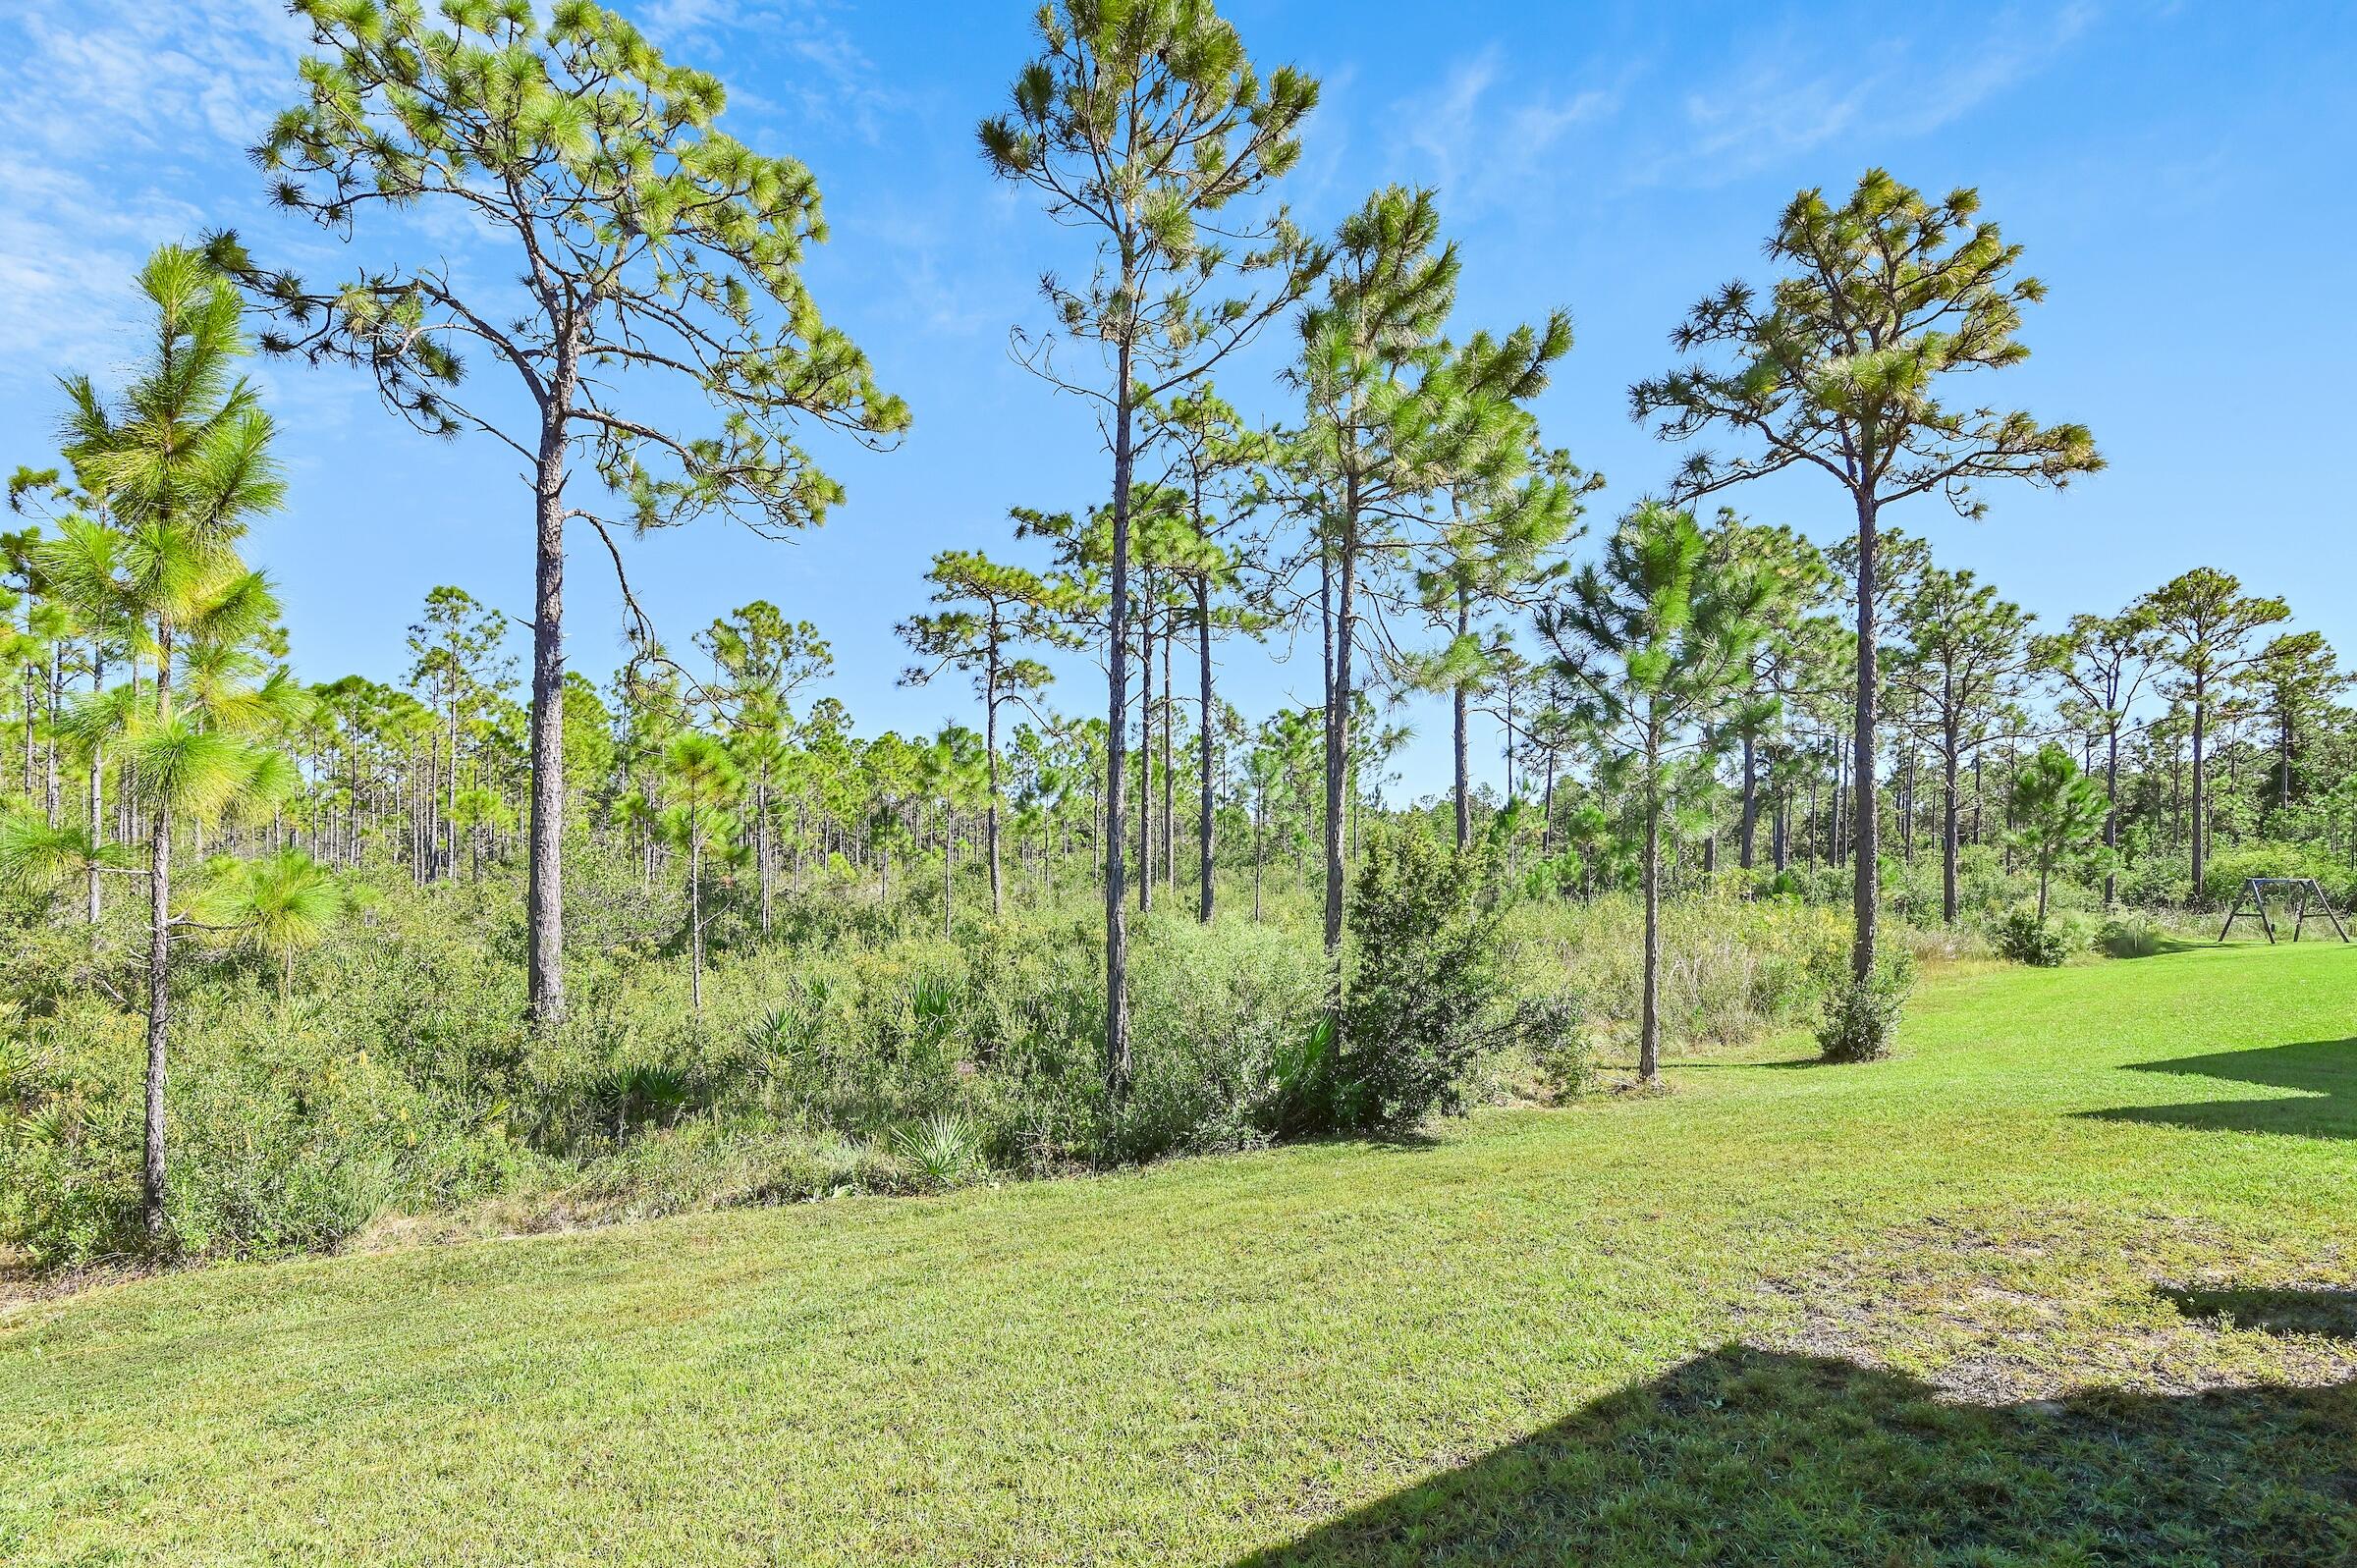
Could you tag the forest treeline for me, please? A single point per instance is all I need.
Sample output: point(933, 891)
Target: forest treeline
point(294, 955)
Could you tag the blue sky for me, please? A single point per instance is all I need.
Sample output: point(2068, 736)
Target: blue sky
point(2178, 172)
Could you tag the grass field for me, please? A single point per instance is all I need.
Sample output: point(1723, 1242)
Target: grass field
point(2073, 1279)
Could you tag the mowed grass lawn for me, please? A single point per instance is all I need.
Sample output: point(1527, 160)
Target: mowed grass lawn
point(2073, 1279)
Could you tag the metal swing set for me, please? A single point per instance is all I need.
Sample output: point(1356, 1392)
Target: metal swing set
point(2307, 896)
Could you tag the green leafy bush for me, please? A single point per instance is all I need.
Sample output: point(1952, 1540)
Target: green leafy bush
point(2020, 935)
point(1426, 996)
point(395, 1091)
point(1860, 1020)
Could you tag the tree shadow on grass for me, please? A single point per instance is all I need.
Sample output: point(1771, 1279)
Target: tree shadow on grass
point(1750, 1456)
point(2323, 1070)
point(2163, 947)
point(2324, 1311)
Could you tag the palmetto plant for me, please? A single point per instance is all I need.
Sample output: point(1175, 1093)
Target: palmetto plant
point(645, 1095)
point(945, 1149)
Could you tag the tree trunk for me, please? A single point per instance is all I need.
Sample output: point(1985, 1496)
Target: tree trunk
point(450, 797)
point(2197, 833)
point(1203, 856)
point(159, 1017)
point(1649, 1028)
point(1259, 829)
point(695, 917)
point(1949, 814)
point(2112, 818)
point(1751, 801)
point(159, 972)
point(990, 811)
point(1169, 774)
point(763, 852)
point(1116, 686)
point(1338, 734)
point(544, 904)
point(1145, 752)
point(56, 694)
point(1457, 702)
point(1866, 893)
point(97, 799)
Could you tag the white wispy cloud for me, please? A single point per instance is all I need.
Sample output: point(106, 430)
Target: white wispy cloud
point(124, 119)
point(1785, 100)
point(1480, 142)
point(83, 75)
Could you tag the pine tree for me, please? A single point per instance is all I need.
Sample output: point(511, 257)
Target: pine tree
point(1143, 120)
point(183, 455)
point(1210, 448)
point(1800, 655)
point(2205, 622)
point(455, 649)
point(1495, 552)
point(1657, 639)
point(2295, 681)
point(1842, 369)
point(657, 255)
point(995, 610)
point(760, 661)
point(2105, 662)
point(706, 789)
point(1391, 414)
point(1966, 661)
point(2058, 814)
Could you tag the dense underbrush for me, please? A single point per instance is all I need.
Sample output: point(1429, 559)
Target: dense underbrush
point(858, 1049)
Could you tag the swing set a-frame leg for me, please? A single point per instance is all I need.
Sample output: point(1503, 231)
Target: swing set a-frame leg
point(2326, 900)
point(2234, 913)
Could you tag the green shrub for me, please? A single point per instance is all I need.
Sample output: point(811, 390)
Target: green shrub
point(1555, 1035)
point(1426, 996)
point(2021, 936)
point(2224, 871)
point(1212, 1012)
point(1860, 1020)
point(1732, 968)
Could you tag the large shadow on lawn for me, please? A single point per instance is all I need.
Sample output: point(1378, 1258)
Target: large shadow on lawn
point(2325, 1072)
point(1750, 1456)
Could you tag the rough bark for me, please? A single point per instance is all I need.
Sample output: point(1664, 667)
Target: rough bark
point(1338, 734)
point(1866, 891)
point(1950, 818)
point(1751, 802)
point(2195, 835)
point(159, 973)
point(1203, 856)
point(544, 904)
point(1117, 762)
point(1459, 701)
point(990, 749)
point(1649, 1028)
